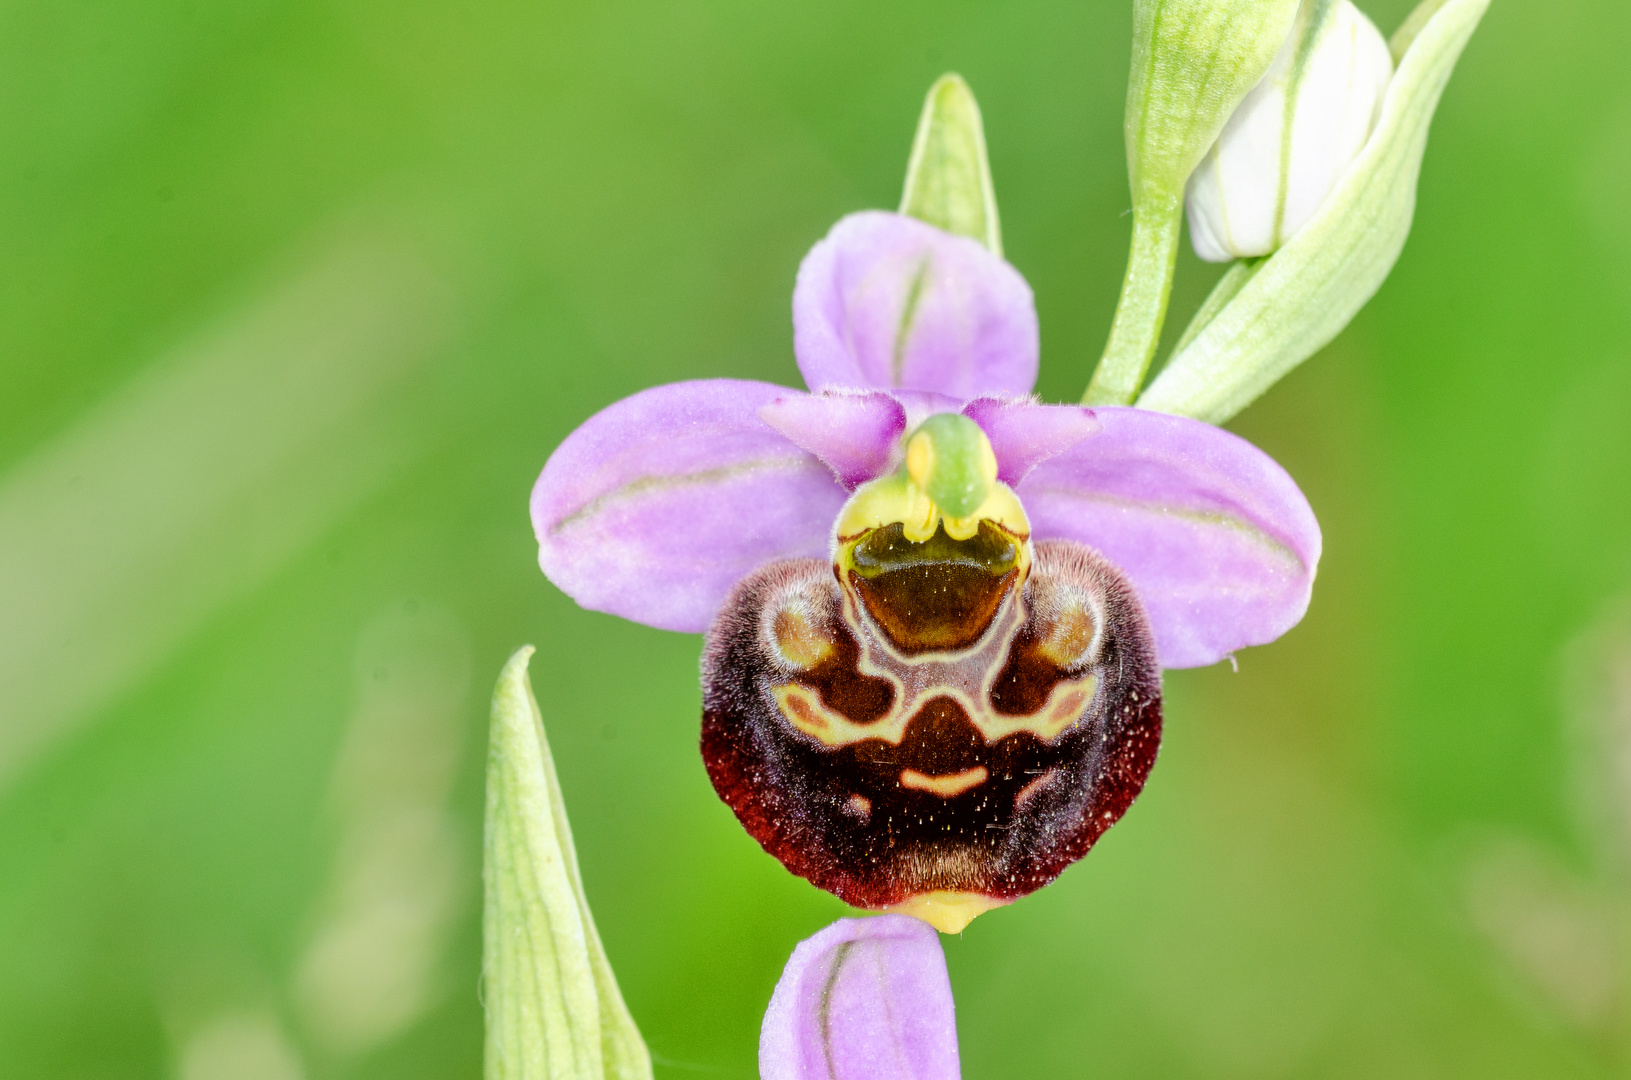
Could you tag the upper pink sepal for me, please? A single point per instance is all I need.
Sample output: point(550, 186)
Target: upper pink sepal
point(888, 302)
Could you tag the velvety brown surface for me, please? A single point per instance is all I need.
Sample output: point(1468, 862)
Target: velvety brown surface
point(834, 808)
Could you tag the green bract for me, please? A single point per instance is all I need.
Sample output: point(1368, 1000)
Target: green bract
point(948, 180)
point(1266, 316)
point(1193, 61)
point(553, 1008)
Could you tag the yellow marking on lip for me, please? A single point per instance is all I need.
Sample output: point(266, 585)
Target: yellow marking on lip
point(805, 710)
point(1070, 638)
point(947, 787)
point(1066, 702)
point(947, 911)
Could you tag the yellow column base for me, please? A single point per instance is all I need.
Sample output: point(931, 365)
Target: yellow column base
point(947, 912)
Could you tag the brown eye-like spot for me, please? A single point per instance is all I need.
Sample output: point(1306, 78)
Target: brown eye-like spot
point(1059, 640)
point(1067, 639)
point(811, 656)
point(941, 782)
point(801, 645)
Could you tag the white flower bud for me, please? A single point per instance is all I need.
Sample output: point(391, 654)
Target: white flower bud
point(1292, 137)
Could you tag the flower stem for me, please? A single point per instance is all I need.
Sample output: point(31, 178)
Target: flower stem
point(1228, 287)
point(1143, 306)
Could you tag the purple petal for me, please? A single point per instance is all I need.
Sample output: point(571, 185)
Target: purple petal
point(658, 504)
point(888, 302)
point(856, 434)
point(1214, 535)
point(865, 999)
point(1025, 433)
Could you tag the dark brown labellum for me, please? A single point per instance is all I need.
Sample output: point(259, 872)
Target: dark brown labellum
point(935, 720)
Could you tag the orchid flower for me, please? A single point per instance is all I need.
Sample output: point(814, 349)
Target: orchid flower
point(936, 608)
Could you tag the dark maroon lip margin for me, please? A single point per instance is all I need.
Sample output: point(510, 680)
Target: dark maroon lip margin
point(794, 797)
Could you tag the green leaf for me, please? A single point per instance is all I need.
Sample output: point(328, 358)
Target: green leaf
point(1193, 62)
point(554, 1011)
point(1301, 297)
point(1228, 287)
point(948, 180)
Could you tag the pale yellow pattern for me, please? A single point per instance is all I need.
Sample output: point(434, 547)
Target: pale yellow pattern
point(948, 912)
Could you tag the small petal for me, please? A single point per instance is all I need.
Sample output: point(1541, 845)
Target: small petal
point(1025, 433)
point(888, 302)
point(856, 434)
point(865, 999)
point(658, 504)
point(1217, 539)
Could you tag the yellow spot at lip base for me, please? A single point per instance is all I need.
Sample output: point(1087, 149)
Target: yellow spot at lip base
point(946, 787)
point(896, 498)
point(948, 912)
point(920, 459)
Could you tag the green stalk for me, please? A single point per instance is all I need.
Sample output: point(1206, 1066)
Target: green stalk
point(1228, 287)
point(1143, 305)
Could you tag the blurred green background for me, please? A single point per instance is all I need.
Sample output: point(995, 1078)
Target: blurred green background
point(296, 296)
